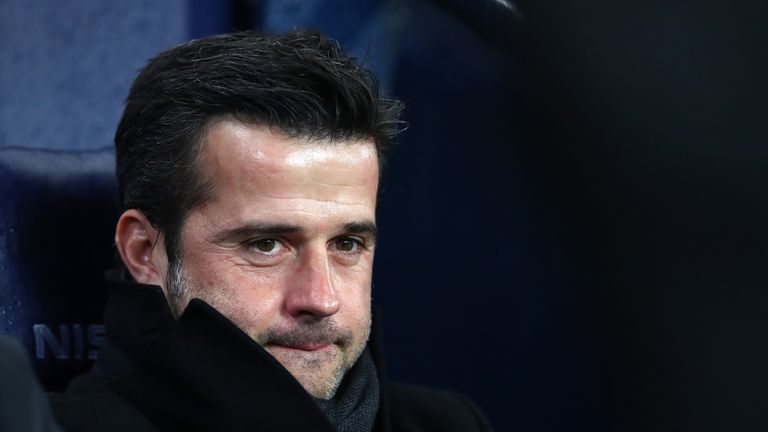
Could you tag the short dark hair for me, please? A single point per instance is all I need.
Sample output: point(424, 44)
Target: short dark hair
point(300, 83)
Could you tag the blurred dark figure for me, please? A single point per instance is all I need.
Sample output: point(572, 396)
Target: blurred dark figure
point(651, 151)
point(23, 405)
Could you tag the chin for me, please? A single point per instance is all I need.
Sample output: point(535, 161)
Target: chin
point(320, 373)
point(321, 383)
point(324, 389)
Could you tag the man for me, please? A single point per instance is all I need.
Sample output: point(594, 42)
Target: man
point(248, 170)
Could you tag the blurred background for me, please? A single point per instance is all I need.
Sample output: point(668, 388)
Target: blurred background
point(573, 227)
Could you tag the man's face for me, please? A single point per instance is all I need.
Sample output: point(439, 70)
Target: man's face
point(284, 248)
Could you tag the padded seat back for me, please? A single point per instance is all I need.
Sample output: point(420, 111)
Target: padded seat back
point(57, 215)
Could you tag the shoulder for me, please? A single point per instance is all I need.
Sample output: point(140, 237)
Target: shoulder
point(416, 408)
point(22, 401)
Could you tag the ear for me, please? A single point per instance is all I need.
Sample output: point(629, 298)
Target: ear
point(141, 247)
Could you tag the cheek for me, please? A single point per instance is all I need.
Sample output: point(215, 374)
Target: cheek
point(355, 291)
point(238, 291)
point(250, 305)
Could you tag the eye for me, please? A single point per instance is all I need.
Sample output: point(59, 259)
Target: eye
point(266, 245)
point(348, 244)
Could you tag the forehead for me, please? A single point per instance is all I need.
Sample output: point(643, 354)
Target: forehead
point(255, 160)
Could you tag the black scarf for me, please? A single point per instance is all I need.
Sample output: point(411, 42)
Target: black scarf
point(354, 407)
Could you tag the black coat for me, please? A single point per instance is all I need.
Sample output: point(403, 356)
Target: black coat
point(202, 373)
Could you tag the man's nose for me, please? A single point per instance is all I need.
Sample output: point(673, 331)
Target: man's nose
point(311, 292)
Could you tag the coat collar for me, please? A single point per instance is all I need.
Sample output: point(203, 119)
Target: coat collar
point(193, 372)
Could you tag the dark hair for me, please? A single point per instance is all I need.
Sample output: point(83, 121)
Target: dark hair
point(301, 83)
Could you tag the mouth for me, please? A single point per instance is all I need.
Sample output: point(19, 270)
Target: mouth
point(308, 346)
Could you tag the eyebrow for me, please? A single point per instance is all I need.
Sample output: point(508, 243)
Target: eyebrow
point(256, 229)
point(366, 228)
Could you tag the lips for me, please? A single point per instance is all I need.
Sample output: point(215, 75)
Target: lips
point(310, 346)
